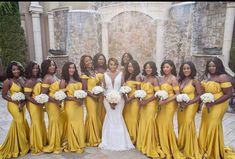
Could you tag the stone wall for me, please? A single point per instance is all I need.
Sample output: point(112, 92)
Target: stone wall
point(132, 32)
point(60, 29)
point(84, 35)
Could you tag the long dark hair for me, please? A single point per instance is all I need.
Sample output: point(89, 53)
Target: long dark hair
point(130, 56)
point(29, 69)
point(95, 61)
point(9, 73)
point(171, 63)
point(193, 71)
point(153, 66)
point(83, 66)
point(65, 72)
point(218, 64)
point(45, 65)
point(136, 70)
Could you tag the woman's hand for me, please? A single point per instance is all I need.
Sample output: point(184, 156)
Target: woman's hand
point(113, 105)
point(143, 102)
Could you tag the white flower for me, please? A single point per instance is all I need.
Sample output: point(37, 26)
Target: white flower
point(80, 94)
point(97, 90)
point(113, 96)
point(125, 89)
point(182, 98)
point(207, 98)
point(162, 94)
point(18, 96)
point(41, 98)
point(140, 94)
point(60, 95)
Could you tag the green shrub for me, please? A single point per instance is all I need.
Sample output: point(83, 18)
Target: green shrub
point(232, 58)
point(12, 39)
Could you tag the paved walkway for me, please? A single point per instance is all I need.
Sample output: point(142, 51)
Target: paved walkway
point(96, 153)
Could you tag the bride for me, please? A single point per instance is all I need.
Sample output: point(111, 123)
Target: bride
point(114, 132)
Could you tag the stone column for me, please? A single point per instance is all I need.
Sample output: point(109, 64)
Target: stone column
point(36, 9)
point(51, 30)
point(105, 41)
point(228, 31)
point(159, 43)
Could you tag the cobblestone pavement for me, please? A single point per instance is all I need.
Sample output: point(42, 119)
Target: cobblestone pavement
point(96, 153)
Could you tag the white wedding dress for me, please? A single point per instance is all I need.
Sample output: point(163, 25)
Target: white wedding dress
point(115, 135)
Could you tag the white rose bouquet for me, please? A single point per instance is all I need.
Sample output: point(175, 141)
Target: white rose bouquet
point(140, 94)
point(97, 90)
point(113, 97)
point(162, 94)
point(60, 95)
point(42, 99)
point(182, 98)
point(207, 98)
point(125, 90)
point(80, 94)
point(19, 96)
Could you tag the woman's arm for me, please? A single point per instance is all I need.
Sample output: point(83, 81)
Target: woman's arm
point(6, 86)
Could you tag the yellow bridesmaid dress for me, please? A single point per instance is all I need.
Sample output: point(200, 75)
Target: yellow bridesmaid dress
point(93, 125)
point(147, 139)
point(211, 137)
point(101, 109)
point(131, 112)
point(56, 122)
point(17, 140)
point(37, 133)
point(187, 139)
point(75, 127)
point(165, 127)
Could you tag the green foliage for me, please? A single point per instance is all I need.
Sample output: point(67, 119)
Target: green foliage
point(12, 39)
point(232, 58)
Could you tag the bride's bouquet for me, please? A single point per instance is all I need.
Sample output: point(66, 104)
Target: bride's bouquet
point(162, 95)
point(182, 98)
point(42, 99)
point(207, 98)
point(140, 94)
point(97, 90)
point(60, 95)
point(125, 90)
point(80, 94)
point(19, 96)
point(113, 97)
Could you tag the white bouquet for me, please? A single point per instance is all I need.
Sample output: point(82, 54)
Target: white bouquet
point(97, 90)
point(18, 96)
point(60, 95)
point(207, 98)
point(162, 94)
point(41, 98)
point(182, 98)
point(140, 94)
point(125, 89)
point(113, 97)
point(80, 94)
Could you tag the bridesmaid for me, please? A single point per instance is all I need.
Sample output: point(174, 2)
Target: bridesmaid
point(131, 109)
point(126, 57)
point(89, 80)
point(147, 139)
point(100, 66)
point(211, 138)
point(38, 138)
point(187, 139)
point(17, 140)
point(166, 112)
point(56, 115)
point(73, 108)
